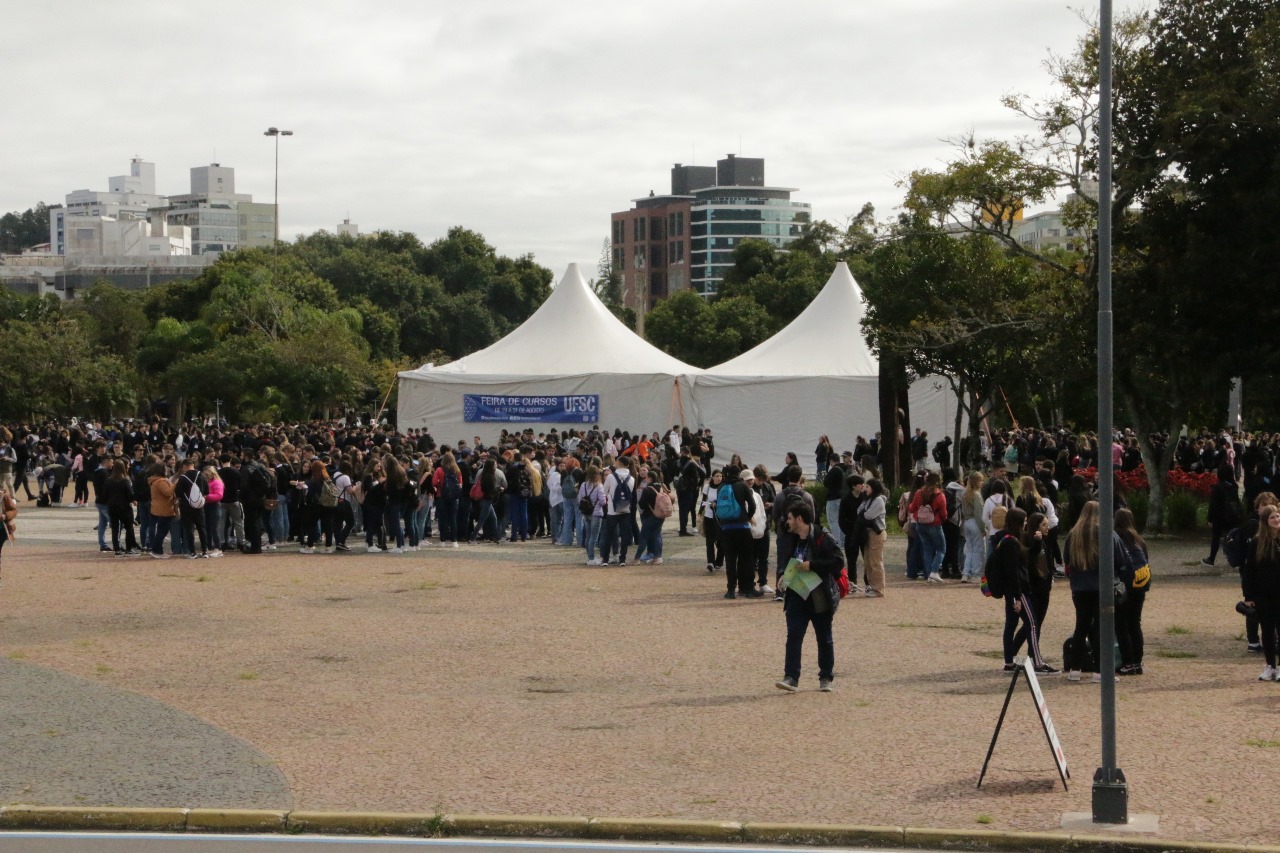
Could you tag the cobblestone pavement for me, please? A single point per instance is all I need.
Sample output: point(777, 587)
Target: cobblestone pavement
point(514, 678)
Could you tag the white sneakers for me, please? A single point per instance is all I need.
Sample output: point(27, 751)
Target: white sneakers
point(1270, 674)
point(935, 578)
point(596, 562)
point(1073, 675)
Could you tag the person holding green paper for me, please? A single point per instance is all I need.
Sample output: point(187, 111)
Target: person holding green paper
point(811, 600)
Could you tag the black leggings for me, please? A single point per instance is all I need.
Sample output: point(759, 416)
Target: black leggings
point(715, 548)
point(1086, 604)
point(1129, 627)
point(1269, 621)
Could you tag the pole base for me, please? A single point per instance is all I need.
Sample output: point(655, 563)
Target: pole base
point(1110, 797)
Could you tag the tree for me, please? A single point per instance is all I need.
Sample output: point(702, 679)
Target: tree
point(704, 333)
point(966, 309)
point(20, 231)
point(114, 319)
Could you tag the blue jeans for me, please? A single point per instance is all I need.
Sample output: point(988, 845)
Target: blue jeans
point(392, 516)
point(104, 524)
point(975, 552)
point(650, 544)
point(933, 545)
point(487, 522)
point(421, 517)
point(447, 518)
point(833, 523)
point(159, 529)
point(518, 513)
point(144, 524)
point(280, 523)
point(178, 543)
point(569, 523)
point(591, 534)
point(555, 521)
point(915, 551)
point(798, 619)
point(213, 524)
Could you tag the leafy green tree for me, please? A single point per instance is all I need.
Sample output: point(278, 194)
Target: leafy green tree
point(20, 231)
point(114, 319)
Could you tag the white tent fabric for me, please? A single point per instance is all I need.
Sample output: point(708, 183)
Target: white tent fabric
point(572, 345)
point(815, 377)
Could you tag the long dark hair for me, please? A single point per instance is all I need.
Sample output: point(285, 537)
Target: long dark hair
point(1127, 531)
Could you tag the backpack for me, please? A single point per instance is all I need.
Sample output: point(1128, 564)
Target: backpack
point(662, 507)
point(259, 479)
point(194, 496)
point(999, 513)
point(758, 521)
point(842, 579)
point(451, 487)
point(587, 504)
point(569, 486)
point(1234, 547)
point(904, 502)
point(924, 513)
point(477, 490)
point(357, 492)
point(727, 506)
point(953, 506)
point(524, 483)
point(1231, 512)
point(622, 494)
point(329, 494)
point(993, 583)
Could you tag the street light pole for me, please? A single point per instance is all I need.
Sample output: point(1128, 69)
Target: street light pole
point(277, 133)
point(1110, 792)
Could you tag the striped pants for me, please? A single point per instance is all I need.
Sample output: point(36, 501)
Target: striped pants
point(1016, 634)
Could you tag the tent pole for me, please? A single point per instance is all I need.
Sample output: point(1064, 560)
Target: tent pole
point(378, 417)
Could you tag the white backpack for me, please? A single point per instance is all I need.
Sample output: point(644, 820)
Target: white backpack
point(194, 496)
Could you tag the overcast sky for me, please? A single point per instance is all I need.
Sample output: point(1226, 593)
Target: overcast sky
point(529, 122)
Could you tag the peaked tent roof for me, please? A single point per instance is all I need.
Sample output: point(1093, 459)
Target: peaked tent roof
point(827, 335)
point(572, 332)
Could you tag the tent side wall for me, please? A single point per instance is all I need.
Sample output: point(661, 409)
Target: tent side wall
point(762, 417)
point(628, 401)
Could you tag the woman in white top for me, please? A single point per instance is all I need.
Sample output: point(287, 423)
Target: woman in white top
point(344, 516)
point(711, 527)
point(998, 498)
point(973, 514)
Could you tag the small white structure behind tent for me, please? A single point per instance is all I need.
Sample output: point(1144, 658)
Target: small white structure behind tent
point(571, 346)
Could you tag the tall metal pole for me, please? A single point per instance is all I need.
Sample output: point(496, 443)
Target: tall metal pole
point(1110, 793)
point(277, 133)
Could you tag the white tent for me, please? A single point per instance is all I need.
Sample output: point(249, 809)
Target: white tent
point(815, 377)
point(571, 364)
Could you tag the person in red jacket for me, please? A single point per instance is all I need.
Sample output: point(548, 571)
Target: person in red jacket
point(928, 509)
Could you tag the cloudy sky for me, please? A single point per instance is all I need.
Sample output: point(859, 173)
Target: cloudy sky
point(529, 122)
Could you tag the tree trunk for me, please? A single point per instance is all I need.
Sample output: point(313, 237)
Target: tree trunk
point(960, 465)
point(1157, 467)
point(892, 424)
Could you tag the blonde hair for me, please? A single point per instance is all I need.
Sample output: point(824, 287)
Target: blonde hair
point(1084, 540)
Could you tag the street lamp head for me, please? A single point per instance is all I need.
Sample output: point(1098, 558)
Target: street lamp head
point(271, 131)
point(286, 133)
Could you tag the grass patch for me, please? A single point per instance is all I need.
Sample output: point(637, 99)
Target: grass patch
point(1175, 654)
point(1266, 744)
point(85, 578)
point(862, 703)
point(172, 575)
point(994, 654)
point(704, 802)
point(983, 818)
point(1210, 800)
point(1177, 630)
point(203, 578)
point(17, 655)
point(103, 669)
point(427, 586)
point(84, 643)
point(248, 676)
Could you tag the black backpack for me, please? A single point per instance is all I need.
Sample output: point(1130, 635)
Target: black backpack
point(1235, 547)
point(993, 581)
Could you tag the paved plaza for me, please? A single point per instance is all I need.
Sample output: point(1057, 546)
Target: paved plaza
point(515, 679)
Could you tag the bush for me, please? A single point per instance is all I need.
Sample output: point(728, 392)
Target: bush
point(1180, 510)
point(1139, 504)
point(818, 492)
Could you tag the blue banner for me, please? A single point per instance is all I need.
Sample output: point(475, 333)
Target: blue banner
point(575, 409)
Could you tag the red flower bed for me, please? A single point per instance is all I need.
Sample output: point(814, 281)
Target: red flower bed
point(1177, 480)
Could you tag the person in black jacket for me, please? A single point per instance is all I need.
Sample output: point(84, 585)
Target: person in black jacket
point(117, 490)
point(817, 552)
point(1262, 584)
point(1225, 512)
point(1010, 563)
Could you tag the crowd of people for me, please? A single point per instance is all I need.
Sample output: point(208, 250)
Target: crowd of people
point(212, 489)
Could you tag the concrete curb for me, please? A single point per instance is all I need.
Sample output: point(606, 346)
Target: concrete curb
point(253, 821)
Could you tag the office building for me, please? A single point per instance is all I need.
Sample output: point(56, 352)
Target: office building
point(685, 239)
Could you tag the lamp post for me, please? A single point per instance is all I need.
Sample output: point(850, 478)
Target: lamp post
point(1110, 791)
point(277, 133)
